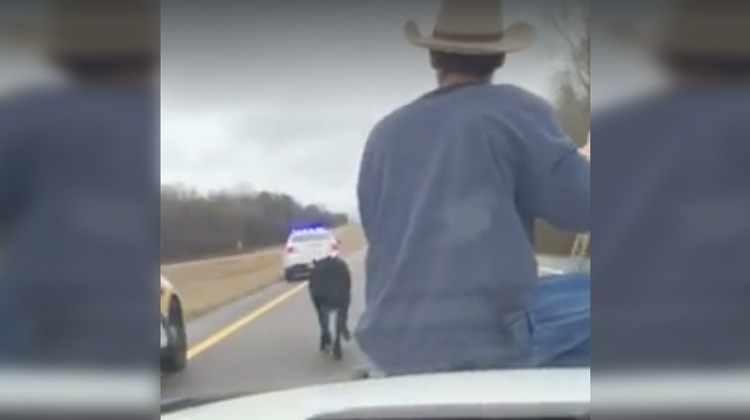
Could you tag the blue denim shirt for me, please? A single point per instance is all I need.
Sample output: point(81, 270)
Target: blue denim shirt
point(673, 230)
point(449, 190)
point(79, 223)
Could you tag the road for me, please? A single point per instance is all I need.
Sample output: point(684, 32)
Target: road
point(269, 341)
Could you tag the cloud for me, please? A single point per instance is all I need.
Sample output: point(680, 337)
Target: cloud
point(299, 156)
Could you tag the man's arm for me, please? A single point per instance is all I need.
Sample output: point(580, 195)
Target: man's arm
point(563, 191)
point(556, 183)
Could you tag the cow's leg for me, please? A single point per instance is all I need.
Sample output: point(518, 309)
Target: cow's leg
point(325, 340)
point(325, 333)
point(344, 323)
point(337, 351)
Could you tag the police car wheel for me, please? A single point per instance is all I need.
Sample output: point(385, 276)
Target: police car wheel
point(174, 358)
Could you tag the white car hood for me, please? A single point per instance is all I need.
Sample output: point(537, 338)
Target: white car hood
point(514, 389)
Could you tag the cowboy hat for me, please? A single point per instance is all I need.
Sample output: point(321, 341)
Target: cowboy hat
point(472, 27)
point(718, 27)
point(93, 27)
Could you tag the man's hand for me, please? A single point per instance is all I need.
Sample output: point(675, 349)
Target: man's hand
point(585, 151)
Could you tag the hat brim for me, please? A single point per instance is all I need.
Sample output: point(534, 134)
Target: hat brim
point(517, 37)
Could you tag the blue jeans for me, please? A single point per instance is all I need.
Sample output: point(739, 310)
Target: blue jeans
point(559, 315)
point(560, 320)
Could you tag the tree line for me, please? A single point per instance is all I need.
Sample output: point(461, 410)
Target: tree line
point(198, 225)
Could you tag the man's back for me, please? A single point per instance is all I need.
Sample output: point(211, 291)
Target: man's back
point(77, 201)
point(448, 204)
point(673, 231)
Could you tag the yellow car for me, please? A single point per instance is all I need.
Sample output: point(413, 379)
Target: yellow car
point(173, 336)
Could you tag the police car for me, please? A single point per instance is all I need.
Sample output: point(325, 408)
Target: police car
point(305, 245)
point(173, 337)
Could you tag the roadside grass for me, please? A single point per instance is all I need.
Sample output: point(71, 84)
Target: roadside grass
point(206, 285)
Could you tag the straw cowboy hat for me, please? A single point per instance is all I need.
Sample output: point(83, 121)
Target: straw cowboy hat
point(717, 27)
point(472, 27)
point(85, 27)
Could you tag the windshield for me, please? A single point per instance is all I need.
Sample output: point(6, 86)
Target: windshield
point(266, 117)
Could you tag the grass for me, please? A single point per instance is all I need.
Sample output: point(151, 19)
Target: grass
point(209, 284)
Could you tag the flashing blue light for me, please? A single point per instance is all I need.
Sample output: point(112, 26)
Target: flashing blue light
point(308, 227)
point(314, 230)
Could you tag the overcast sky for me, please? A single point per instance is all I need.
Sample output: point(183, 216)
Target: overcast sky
point(281, 95)
point(620, 70)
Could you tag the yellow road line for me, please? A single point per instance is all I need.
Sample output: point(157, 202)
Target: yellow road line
point(232, 328)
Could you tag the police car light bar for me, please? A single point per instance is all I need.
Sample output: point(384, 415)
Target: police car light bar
point(308, 228)
point(319, 230)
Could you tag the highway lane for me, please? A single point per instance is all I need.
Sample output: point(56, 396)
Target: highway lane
point(269, 341)
point(277, 349)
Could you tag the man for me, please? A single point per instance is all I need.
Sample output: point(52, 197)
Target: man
point(449, 189)
point(673, 218)
point(79, 190)
point(330, 291)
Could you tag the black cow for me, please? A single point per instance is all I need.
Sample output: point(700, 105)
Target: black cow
point(330, 291)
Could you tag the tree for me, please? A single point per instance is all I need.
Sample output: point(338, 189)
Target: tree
point(572, 99)
point(573, 95)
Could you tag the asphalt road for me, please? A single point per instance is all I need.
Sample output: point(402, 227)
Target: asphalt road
point(269, 341)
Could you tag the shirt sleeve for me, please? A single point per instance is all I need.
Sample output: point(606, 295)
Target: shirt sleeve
point(556, 180)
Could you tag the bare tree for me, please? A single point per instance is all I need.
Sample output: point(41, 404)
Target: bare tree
point(573, 96)
point(572, 99)
point(572, 19)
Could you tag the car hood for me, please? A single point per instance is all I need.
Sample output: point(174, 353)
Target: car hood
point(537, 392)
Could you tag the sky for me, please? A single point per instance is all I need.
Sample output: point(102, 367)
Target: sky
point(282, 98)
point(280, 95)
point(619, 69)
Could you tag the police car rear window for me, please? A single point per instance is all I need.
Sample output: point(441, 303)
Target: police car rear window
point(310, 237)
